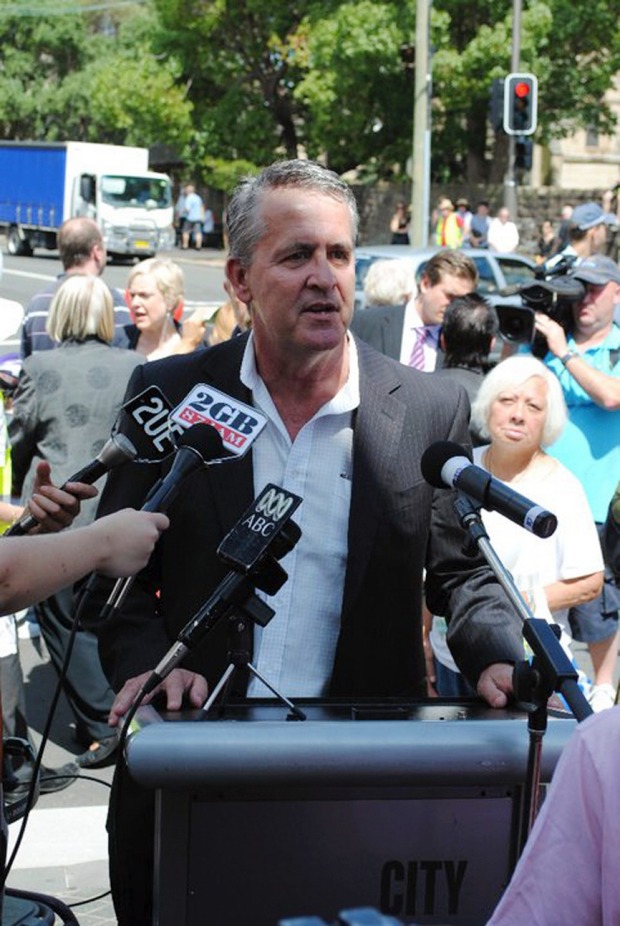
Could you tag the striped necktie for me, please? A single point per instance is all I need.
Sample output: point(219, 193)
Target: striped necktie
point(416, 360)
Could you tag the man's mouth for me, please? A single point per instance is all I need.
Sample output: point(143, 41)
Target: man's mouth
point(321, 308)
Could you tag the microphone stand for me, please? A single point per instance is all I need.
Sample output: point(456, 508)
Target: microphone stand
point(550, 670)
point(234, 598)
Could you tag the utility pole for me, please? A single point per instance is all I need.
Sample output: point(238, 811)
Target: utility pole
point(510, 184)
point(421, 161)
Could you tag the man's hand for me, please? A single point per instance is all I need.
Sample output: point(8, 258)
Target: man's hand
point(553, 333)
point(495, 684)
point(180, 685)
point(55, 508)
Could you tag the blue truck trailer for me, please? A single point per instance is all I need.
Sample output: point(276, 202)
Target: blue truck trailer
point(44, 183)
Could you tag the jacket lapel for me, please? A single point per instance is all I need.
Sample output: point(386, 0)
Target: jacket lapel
point(378, 427)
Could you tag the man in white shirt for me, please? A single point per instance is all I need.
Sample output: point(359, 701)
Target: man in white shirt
point(346, 429)
point(503, 234)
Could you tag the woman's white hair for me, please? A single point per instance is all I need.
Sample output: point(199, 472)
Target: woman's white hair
point(389, 282)
point(510, 374)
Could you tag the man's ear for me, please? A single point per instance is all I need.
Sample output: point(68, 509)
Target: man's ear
point(238, 277)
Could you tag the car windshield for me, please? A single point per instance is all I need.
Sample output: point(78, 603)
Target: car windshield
point(136, 191)
point(515, 271)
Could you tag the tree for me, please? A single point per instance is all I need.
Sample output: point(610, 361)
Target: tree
point(74, 77)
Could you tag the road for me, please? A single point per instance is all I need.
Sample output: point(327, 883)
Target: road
point(22, 277)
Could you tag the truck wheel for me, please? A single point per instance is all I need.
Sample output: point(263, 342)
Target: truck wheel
point(16, 245)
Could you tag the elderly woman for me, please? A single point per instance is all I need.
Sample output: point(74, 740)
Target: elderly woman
point(520, 409)
point(389, 282)
point(155, 296)
point(64, 408)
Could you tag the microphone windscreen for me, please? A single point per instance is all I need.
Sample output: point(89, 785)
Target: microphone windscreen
point(205, 440)
point(436, 456)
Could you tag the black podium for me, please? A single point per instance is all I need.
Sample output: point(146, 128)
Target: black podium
point(409, 808)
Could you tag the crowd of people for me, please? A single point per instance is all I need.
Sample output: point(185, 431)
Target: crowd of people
point(456, 225)
point(351, 403)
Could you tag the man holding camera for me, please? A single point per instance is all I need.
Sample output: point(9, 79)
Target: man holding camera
point(587, 363)
point(587, 234)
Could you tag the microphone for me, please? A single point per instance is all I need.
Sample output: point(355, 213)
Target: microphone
point(264, 534)
point(200, 445)
point(116, 450)
point(446, 464)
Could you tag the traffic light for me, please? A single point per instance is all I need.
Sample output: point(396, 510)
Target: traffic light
point(496, 104)
point(523, 153)
point(520, 104)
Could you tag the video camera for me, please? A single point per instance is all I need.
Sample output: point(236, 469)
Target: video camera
point(554, 292)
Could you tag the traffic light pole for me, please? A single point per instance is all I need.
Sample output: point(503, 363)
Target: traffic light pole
point(510, 183)
point(421, 170)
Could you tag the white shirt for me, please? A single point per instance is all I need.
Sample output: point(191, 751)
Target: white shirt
point(295, 652)
point(572, 551)
point(503, 236)
point(411, 322)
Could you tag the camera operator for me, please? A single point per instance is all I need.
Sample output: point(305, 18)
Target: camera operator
point(587, 363)
point(587, 235)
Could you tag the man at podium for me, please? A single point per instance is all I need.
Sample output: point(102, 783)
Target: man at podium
point(346, 428)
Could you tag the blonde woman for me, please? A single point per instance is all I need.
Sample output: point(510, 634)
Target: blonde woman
point(155, 297)
point(64, 408)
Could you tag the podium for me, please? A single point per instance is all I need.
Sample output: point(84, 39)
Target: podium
point(409, 808)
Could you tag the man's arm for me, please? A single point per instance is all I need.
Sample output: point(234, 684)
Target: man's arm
point(602, 388)
point(484, 631)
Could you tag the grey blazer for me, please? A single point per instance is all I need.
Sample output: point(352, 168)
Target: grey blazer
point(64, 407)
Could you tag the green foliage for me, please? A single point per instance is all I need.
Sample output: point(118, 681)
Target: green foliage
point(232, 84)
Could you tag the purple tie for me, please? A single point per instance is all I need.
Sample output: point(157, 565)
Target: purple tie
point(416, 360)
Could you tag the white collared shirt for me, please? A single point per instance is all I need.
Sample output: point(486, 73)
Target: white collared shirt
point(295, 652)
point(411, 322)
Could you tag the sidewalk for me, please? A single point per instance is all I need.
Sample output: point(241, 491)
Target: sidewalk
point(64, 850)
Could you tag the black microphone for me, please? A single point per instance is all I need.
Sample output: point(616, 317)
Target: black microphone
point(263, 535)
point(200, 445)
point(116, 450)
point(446, 464)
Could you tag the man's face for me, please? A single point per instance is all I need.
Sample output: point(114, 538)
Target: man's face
point(301, 280)
point(596, 312)
point(598, 238)
point(432, 300)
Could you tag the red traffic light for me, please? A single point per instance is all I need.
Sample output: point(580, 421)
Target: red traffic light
point(520, 104)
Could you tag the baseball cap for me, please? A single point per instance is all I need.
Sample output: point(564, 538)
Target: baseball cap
point(597, 269)
point(588, 215)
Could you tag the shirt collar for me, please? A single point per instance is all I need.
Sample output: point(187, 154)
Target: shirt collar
point(346, 399)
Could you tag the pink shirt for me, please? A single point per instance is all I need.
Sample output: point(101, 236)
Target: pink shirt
point(569, 871)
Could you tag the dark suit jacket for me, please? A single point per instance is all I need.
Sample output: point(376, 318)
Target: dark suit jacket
point(382, 328)
point(397, 525)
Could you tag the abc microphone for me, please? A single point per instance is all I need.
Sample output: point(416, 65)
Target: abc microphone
point(200, 445)
point(118, 449)
point(446, 464)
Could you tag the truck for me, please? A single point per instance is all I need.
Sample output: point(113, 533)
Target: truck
point(44, 183)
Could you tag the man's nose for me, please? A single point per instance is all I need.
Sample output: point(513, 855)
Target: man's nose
point(321, 273)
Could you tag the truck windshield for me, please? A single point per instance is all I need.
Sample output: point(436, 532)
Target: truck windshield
point(136, 191)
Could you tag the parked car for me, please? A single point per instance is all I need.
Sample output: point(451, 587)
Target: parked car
point(495, 271)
